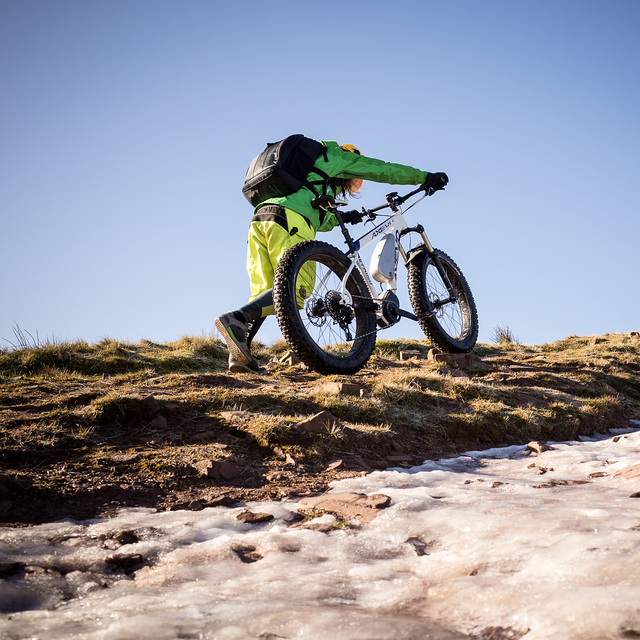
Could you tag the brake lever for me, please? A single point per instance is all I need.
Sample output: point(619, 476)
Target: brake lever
point(370, 216)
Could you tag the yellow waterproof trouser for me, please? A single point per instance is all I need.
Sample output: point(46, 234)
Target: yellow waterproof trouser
point(267, 243)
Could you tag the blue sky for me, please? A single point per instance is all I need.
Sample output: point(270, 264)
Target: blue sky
point(127, 127)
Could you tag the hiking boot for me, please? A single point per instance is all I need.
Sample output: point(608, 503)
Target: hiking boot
point(240, 367)
point(235, 334)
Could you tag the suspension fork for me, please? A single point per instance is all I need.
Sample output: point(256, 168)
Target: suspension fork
point(435, 258)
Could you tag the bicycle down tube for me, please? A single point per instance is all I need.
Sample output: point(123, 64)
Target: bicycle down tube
point(397, 223)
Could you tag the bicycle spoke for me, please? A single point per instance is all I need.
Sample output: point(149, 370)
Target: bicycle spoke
point(323, 328)
point(448, 315)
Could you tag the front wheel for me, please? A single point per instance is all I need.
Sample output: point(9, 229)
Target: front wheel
point(451, 324)
point(330, 327)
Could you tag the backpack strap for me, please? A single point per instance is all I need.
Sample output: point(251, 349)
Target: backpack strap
point(326, 181)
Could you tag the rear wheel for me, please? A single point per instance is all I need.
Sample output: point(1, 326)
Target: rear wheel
point(329, 329)
point(451, 325)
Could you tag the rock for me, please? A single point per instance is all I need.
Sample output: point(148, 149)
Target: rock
point(249, 517)
point(334, 464)
point(453, 358)
point(453, 373)
point(290, 359)
point(247, 553)
point(322, 422)
point(411, 353)
point(289, 459)
point(221, 501)
point(421, 547)
point(348, 505)
point(538, 447)
point(378, 500)
point(125, 560)
point(344, 388)
point(628, 473)
point(127, 537)
point(322, 527)
point(219, 470)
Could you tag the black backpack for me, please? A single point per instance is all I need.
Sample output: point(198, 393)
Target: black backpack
point(282, 168)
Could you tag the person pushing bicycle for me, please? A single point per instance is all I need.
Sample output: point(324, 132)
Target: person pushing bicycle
point(281, 222)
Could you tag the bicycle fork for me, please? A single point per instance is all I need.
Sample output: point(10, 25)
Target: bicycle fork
point(435, 258)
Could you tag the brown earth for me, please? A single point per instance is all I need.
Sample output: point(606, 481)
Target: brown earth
point(81, 442)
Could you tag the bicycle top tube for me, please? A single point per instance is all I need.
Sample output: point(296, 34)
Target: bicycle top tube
point(395, 222)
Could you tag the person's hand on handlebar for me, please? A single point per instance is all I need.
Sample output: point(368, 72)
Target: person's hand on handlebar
point(435, 182)
point(352, 217)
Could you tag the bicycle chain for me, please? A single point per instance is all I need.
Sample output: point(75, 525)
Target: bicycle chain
point(378, 329)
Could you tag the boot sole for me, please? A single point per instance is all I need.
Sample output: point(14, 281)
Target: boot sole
point(238, 368)
point(235, 351)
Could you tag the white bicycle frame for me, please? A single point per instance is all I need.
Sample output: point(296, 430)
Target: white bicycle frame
point(393, 225)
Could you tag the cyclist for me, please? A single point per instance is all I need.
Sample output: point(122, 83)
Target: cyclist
point(279, 223)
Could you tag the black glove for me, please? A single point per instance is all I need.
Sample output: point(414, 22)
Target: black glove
point(435, 182)
point(352, 217)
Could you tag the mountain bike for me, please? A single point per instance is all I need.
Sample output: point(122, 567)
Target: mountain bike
point(327, 305)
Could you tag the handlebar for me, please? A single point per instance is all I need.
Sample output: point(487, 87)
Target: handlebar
point(394, 201)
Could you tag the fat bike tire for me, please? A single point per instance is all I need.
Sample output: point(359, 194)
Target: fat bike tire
point(329, 332)
point(453, 326)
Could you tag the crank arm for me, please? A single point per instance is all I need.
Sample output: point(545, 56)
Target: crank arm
point(406, 314)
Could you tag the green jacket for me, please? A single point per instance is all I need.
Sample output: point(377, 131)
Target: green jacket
point(345, 164)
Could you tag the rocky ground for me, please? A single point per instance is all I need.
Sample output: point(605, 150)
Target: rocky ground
point(87, 429)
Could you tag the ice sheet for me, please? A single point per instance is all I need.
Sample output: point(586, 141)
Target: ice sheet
point(544, 546)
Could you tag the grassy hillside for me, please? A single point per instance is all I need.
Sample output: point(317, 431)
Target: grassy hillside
point(86, 428)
